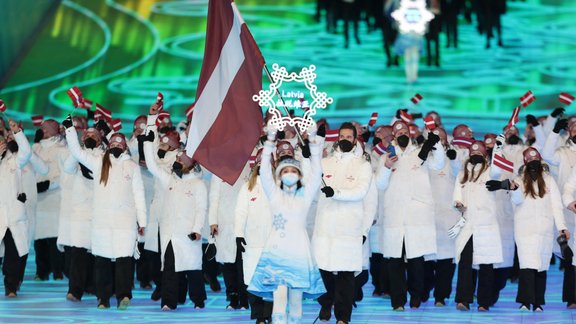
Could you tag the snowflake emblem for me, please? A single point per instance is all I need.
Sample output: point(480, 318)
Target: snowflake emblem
point(412, 16)
point(265, 98)
point(278, 222)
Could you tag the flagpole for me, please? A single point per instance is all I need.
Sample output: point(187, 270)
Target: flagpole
point(288, 113)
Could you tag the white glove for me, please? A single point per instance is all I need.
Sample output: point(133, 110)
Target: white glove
point(271, 132)
point(500, 138)
point(455, 230)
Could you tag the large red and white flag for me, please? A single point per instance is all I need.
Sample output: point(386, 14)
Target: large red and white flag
point(565, 98)
point(503, 164)
point(514, 118)
point(227, 122)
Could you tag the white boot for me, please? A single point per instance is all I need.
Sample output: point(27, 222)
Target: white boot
point(279, 318)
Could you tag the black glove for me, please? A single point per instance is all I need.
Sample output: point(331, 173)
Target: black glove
point(89, 114)
point(39, 135)
point(321, 131)
point(531, 119)
point(306, 149)
point(560, 125)
point(428, 146)
point(146, 138)
point(68, 122)
point(102, 126)
point(564, 247)
point(493, 185)
point(240, 242)
point(22, 198)
point(263, 139)
point(192, 236)
point(87, 173)
point(366, 136)
point(363, 239)
point(281, 135)
point(451, 154)
point(43, 186)
point(420, 139)
point(328, 191)
point(557, 112)
point(398, 112)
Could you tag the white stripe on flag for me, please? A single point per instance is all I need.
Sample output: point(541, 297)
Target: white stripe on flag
point(209, 104)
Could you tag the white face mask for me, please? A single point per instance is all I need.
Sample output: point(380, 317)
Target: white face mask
point(290, 179)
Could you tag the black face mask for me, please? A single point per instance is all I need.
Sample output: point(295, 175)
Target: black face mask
point(420, 139)
point(177, 169)
point(162, 153)
point(475, 159)
point(116, 151)
point(90, 143)
point(574, 139)
point(12, 146)
point(403, 140)
point(530, 141)
point(164, 129)
point(376, 141)
point(345, 145)
point(513, 139)
point(534, 166)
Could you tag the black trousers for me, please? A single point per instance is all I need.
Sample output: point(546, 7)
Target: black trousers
point(48, 259)
point(359, 282)
point(339, 292)
point(389, 35)
point(438, 276)
point(12, 265)
point(172, 286)
point(259, 308)
point(81, 263)
point(379, 273)
point(466, 282)
point(501, 276)
point(406, 277)
point(433, 41)
point(531, 287)
point(113, 278)
point(142, 268)
point(569, 281)
point(233, 274)
point(350, 14)
point(210, 268)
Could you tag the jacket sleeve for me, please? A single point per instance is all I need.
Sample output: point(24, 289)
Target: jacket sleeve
point(540, 137)
point(139, 196)
point(458, 195)
point(241, 212)
point(201, 207)
point(38, 165)
point(70, 166)
point(549, 150)
point(152, 166)
point(361, 185)
point(370, 208)
point(266, 177)
point(79, 154)
point(556, 204)
point(214, 200)
point(24, 149)
point(437, 161)
point(517, 196)
point(383, 177)
point(549, 124)
point(315, 176)
point(569, 188)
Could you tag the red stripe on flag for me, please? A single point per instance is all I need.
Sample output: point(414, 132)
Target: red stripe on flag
point(75, 95)
point(87, 104)
point(380, 148)
point(514, 118)
point(429, 123)
point(332, 135)
point(373, 119)
point(103, 113)
point(463, 141)
point(228, 143)
point(37, 120)
point(116, 125)
point(565, 98)
point(503, 164)
point(416, 98)
point(406, 117)
point(2, 106)
point(190, 111)
point(527, 99)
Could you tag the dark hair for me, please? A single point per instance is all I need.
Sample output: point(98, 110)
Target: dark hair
point(470, 176)
point(348, 125)
point(528, 183)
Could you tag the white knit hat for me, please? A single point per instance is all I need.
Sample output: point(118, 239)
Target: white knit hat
point(286, 163)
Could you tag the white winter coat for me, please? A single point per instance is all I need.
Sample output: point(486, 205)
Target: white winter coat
point(568, 196)
point(481, 218)
point(54, 153)
point(119, 207)
point(12, 211)
point(185, 208)
point(253, 222)
point(340, 220)
point(34, 169)
point(534, 220)
point(409, 204)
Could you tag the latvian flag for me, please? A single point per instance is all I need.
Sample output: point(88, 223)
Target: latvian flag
point(527, 98)
point(565, 98)
point(160, 100)
point(416, 98)
point(116, 125)
point(2, 106)
point(102, 113)
point(252, 161)
point(380, 148)
point(406, 117)
point(503, 164)
point(429, 123)
point(332, 135)
point(373, 119)
point(86, 104)
point(227, 122)
point(189, 111)
point(76, 95)
point(514, 118)
point(37, 120)
point(462, 141)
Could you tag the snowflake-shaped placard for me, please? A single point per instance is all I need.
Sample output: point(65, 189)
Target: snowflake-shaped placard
point(412, 16)
point(278, 222)
point(265, 98)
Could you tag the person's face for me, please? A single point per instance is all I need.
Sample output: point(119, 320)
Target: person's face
point(401, 132)
point(289, 169)
point(93, 136)
point(347, 134)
